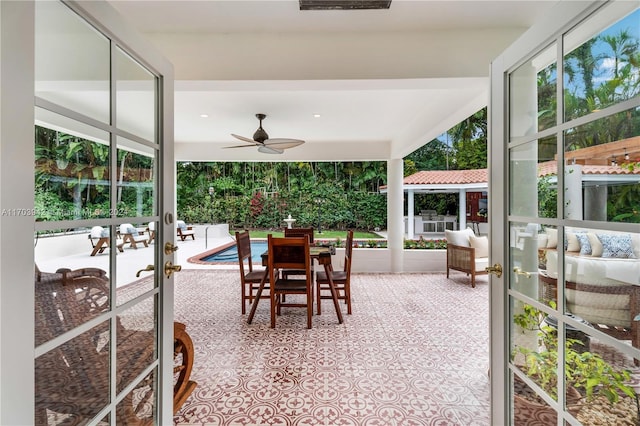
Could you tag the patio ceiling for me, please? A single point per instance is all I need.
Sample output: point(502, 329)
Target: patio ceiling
point(384, 82)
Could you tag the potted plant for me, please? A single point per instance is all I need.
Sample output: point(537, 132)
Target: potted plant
point(588, 375)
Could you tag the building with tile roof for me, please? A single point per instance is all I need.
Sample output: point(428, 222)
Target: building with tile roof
point(477, 181)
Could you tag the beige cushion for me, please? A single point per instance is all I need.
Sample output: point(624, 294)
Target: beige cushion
point(459, 238)
point(481, 244)
point(596, 245)
point(552, 237)
point(572, 242)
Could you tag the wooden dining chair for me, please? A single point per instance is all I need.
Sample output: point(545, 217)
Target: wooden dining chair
point(341, 279)
point(297, 232)
point(249, 279)
point(290, 253)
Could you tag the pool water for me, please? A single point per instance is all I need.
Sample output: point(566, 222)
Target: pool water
point(230, 254)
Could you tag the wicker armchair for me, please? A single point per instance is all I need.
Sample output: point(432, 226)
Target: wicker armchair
point(465, 255)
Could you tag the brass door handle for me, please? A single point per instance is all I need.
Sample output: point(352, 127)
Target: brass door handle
point(170, 248)
point(170, 268)
point(496, 270)
point(519, 271)
point(148, 268)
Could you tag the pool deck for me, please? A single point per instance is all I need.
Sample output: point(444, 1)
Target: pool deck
point(73, 251)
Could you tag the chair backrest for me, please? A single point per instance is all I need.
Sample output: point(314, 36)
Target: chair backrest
point(348, 251)
point(151, 226)
point(299, 232)
point(243, 246)
point(289, 253)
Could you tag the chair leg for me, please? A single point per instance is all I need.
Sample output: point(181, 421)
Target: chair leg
point(273, 308)
point(243, 297)
point(310, 308)
point(319, 299)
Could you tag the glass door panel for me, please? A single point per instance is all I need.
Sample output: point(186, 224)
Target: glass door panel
point(95, 220)
point(136, 179)
point(136, 341)
point(532, 89)
point(599, 65)
point(71, 169)
point(135, 97)
point(72, 64)
point(136, 200)
point(574, 256)
point(73, 379)
point(602, 179)
point(532, 178)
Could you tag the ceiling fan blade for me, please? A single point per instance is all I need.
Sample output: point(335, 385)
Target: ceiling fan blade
point(239, 146)
point(268, 150)
point(283, 143)
point(242, 138)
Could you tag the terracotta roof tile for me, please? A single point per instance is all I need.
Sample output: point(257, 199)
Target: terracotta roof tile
point(550, 168)
point(447, 177)
point(453, 177)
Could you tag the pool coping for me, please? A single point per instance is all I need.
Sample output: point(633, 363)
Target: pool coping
point(197, 258)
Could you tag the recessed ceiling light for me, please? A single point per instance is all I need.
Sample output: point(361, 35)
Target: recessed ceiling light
point(204, 115)
point(316, 115)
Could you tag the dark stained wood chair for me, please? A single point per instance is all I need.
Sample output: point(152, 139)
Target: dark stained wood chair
point(249, 279)
point(297, 232)
point(290, 253)
point(341, 279)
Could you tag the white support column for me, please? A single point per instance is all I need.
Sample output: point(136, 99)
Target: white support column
point(573, 192)
point(395, 213)
point(595, 203)
point(462, 209)
point(410, 214)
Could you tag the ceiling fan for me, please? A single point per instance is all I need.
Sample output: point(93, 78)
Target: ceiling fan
point(264, 143)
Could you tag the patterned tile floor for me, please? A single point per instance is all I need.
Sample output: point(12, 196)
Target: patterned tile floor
point(415, 351)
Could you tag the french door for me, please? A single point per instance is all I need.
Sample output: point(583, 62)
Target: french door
point(101, 185)
point(565, 186)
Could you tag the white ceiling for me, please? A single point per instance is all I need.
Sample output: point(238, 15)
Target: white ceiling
point(384, 82)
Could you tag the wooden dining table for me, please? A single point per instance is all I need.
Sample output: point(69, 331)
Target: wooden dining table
point(319, 253)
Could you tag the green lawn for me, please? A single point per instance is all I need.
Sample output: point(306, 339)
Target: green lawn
point(326, 234)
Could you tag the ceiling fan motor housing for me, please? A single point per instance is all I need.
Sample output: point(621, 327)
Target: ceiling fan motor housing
point(260, 135)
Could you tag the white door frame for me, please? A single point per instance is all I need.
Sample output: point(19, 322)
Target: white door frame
point(562, 17)
point(17, 26)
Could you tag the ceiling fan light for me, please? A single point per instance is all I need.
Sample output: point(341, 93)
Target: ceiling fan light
point(268, 150)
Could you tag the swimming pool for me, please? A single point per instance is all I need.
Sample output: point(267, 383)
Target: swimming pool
point(230, 254)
